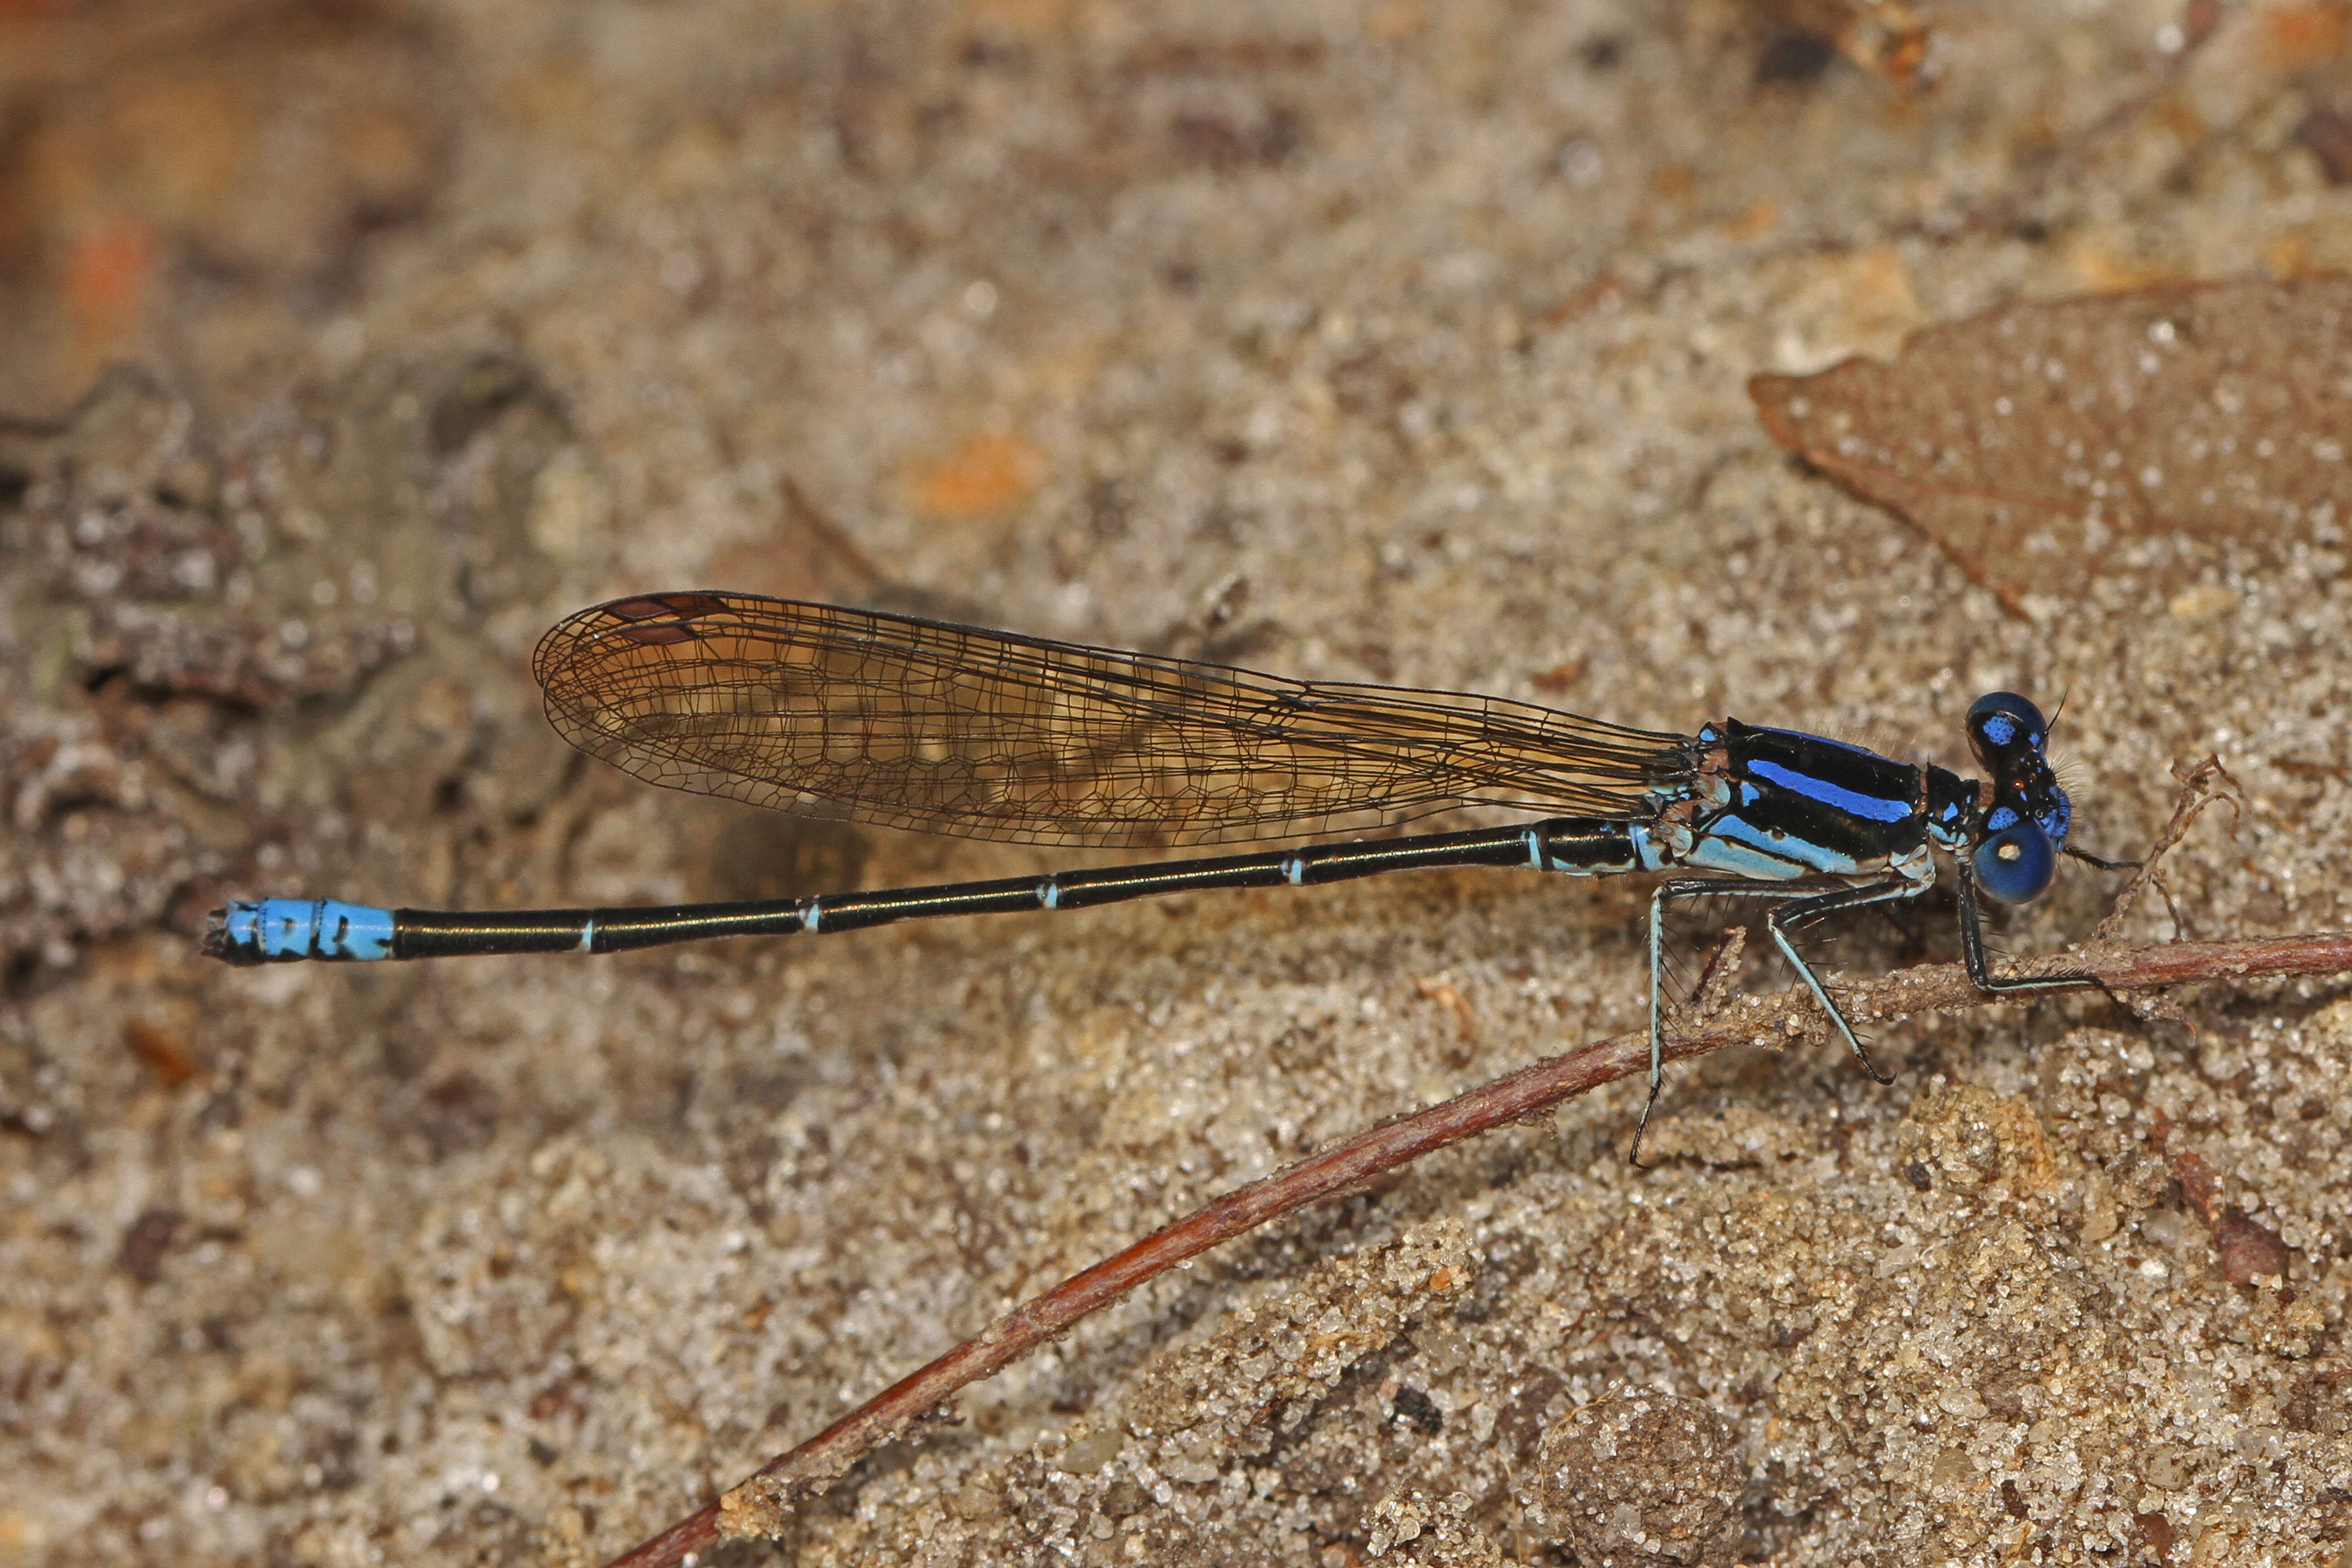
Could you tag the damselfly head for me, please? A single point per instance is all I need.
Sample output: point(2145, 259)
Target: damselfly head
point(2026, 814)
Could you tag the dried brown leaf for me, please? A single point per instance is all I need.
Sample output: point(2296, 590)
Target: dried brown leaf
point(2048, 446)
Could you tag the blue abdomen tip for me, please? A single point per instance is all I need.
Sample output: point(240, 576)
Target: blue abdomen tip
point(279, 931)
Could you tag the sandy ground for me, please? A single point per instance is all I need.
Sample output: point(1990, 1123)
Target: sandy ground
point(1398, 341)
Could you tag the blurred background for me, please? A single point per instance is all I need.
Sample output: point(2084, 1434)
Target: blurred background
point(345, 346)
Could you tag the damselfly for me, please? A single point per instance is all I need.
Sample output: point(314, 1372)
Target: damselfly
point(985, 734)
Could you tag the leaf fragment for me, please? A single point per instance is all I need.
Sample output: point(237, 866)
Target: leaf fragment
point(2046, 445)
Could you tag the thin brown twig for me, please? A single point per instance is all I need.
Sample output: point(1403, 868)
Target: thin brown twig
point(2205, 785)
point(762, 1505)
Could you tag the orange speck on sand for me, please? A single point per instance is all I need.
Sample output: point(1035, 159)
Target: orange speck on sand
point(1454, 1002)
point(106, 275)
point(2288, 256)
point(2299, 36)
point(986, 475)
point(161, 1051)
point(1755, 223)
point(1604, 287)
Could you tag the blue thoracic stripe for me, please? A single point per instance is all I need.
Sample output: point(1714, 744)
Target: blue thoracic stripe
point(1736, 848)
point(1870, 807)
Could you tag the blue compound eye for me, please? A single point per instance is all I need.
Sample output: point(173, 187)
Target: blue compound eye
point(2001, 724)
point(2015, 865)
point(2007, 704)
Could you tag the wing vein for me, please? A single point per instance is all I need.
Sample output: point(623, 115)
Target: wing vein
point(982, 734)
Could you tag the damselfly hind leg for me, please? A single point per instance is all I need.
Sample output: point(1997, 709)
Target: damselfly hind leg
point(1776, 921)
point(1778, 917)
